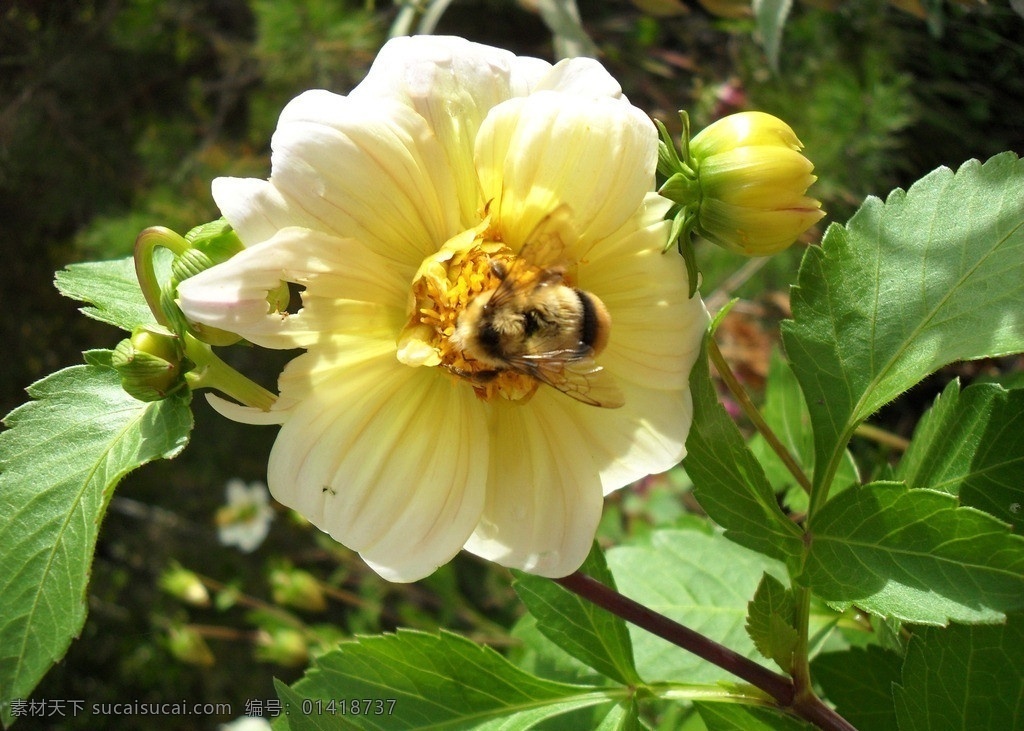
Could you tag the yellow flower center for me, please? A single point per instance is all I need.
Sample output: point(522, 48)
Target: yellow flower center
point(447, 282)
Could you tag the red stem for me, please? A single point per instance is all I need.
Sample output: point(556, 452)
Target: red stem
point(777, 686)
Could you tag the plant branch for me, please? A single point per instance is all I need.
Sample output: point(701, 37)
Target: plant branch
point(882, 436)
point(741, 396)
point(779, 687)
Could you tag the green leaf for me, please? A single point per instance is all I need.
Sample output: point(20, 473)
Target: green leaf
point(859, 682)
point(971, 445)
point(622, 717)
point(732, 717)
point(963, 678)
point(702, 581)
point(931, 276)
point(771, 621)
point(59, 462)
point(592, 635)
point(785, 411)
point(728, 480)
point(540, 656)
point(112, 287)
point(770, 16)
point(427, 681)
point(914, 555)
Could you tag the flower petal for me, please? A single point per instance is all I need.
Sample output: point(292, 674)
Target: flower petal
point(349, 290)
point(656, 328)
point(452, 83)
point(389, 460)
point(543, 494)
point(645, 437)
point(370, 169)
point(580, 76)
point(597, 155)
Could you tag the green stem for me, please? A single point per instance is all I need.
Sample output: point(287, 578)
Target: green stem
point(883, 437)
point(741, 396)
point(145, 247)
point(212, 372)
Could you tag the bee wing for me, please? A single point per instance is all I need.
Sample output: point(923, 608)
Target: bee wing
point(574, 373)
point(542, 260)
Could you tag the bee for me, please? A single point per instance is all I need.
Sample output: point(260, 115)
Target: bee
point(534, 323)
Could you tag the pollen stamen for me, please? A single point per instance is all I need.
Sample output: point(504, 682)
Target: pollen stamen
point(441, 292)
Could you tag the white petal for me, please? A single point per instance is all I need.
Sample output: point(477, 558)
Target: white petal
point(656, 328)
point(597, 155)
point(349, 290)
point(544, 492)
point(367, 168)
point(645, 437)
point(389, 460)
point(244, 414)
point(581, 76)
point(452, 83)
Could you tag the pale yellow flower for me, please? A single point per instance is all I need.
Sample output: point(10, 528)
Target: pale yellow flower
point(382, 204)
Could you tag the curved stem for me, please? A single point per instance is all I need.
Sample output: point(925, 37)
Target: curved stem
point(145, 246)
point(808, 707)
point(741, 396)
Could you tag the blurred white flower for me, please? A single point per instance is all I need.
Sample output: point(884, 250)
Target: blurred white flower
point(245, 520)
point(246, 723)
point(394, 207)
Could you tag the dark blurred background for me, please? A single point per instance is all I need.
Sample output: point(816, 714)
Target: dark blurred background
point(116, 115)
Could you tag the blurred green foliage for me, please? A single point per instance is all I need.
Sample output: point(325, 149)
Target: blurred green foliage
point(116, 115)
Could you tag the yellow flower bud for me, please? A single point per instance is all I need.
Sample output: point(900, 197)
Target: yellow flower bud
point(753, 181)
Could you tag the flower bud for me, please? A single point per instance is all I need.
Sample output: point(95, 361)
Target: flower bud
point(295, 588)
point(188, 646)
point(753, 180)
point(283, 646)
point(184, 585)
point(212, 243)
point(149, 363)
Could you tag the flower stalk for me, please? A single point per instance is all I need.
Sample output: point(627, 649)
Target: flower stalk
point(209, 370)
point(804, 704)
point(752, 412)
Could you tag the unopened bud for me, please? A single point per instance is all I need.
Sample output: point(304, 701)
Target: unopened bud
point(296, 588)
point(149, 363)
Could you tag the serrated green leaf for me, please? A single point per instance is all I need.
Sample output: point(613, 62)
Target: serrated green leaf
point(300, 714)
point(785, 411)
point(732, 717)
point(702, 581)
point(771, 621)
point(931, 276)
point(540, 656)
point(592, 635)
point(441, 682)
point(971, 445)
point(963, 678)
point(728, 480)
point(859, 682)
point(59, 462)
point(113, 289)
point(914, 555)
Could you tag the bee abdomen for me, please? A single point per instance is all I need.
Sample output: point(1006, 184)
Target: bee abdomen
point(595, 323)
